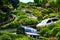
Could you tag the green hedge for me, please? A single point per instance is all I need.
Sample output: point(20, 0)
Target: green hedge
point(9, 36)
point(28, 21)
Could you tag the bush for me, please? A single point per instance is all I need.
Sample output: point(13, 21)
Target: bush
point(58, 15)
point(58, 35)
point(43, 31)
point(21, 17)
point(52, 15)
point(48, 34)
point(40, 17)
point(43, 38)
point(25, 38)
point(54, 28)
point(51, 26)
point(5, 37)
point(47, 11)
point(9, 36)
point(28, 21)
point(19, 13)
point(50, 10)
point(50, 30)
point(44, 11)
point(10, 25)
point(46, 16)
point(55, 31)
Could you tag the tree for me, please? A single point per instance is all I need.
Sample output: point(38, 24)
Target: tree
point(55, 4)
point(5, 9)
point(41, 2)
point(58, 5)
point(14, 3)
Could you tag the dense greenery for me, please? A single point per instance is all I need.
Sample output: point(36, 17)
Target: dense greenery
point(52, 30)
point(5, 9)
point(41, 2)
point(41, 12)
point(9, 36)
point(52, 3)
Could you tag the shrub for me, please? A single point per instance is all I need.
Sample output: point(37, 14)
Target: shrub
point(48, 34)
point(50, 30)
point(9, 36)
point(44, 11)
point(54, 28)
point(25, 38)
point(21, 17)
point(43, 38)
point(47, 11)
point(28, 21)
point(14, 24)
point(58, 35)
point(5, 37)
point(40, 17)
point(34, 7)
point(55, 31)
point(58, 15)
point(50, 10)
point(19, 13)
point(52, 15)
point(51, 26)
point(46, 16)
point(43, 31)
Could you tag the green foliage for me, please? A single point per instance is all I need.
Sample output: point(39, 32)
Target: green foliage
point(41, 2)
point(28, 21)
point(5, 37)
point(55, 31)
point(47, 11)
point(46, 16)
point(58, 15)
point(25, 38)
point(43, 13)
point(43, 31)
point(43, 38)
point(54, 3)
point(20, 13)
point(52, 15)
point(58, 35)
point(9, 36)
point(21, 19)
point(48, 34)
point(50, 10)
point(5, 9)
point(50, 30)
point(51, 26)
point(54, 28)
point(13, 24)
